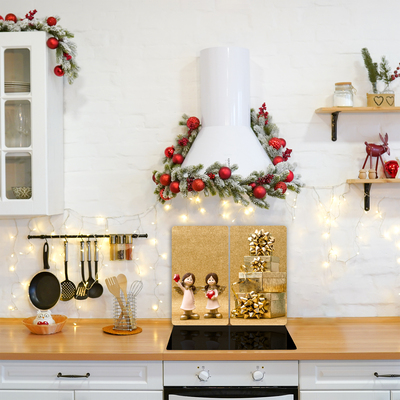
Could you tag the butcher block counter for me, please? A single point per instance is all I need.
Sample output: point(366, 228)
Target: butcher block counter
point(315, 338)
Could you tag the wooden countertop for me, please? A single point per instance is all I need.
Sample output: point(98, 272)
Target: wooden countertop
point(315, 338)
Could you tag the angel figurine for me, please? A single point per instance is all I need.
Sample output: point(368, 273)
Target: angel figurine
point(187, 288)
point(212, 290)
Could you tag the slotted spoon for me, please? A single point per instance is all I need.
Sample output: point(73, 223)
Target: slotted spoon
point(68, 288)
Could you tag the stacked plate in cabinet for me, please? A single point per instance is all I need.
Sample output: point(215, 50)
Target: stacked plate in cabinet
point(16, 87)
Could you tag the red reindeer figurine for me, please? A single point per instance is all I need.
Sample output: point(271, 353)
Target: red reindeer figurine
point(376, 150)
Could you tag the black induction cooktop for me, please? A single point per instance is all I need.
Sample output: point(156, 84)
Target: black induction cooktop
point(230, 338)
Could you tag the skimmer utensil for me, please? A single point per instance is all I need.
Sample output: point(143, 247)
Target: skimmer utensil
point(97, 289)
point(68, 288)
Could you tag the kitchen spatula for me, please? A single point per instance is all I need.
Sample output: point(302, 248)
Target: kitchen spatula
point(115, 290)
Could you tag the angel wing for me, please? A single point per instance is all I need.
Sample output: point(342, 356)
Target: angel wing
point(221, 289)
point(178, 289)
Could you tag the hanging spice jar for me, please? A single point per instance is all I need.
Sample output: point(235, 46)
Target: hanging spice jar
point(120, 247)
point(113, 247)
point(128, 247)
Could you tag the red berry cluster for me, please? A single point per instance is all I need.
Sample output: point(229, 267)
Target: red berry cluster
point(189, 184)
point(263, 113)
point(286, 154)
point(211, 176)
point(265, 180)
point(30, 15)
point(396, 73)
point(183, 142)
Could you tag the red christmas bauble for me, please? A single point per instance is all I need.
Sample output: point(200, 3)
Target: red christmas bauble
point(1, 18)
point(281, 185)
point(165, 179)
point(391, 168)
point(277, 160)
point(289, 177)
point(174, 187)
point(169, 151)
point(164, 198)
point(275, 143)
point(58, 70)
point(259, 192)
point(11, 17)
point(283, 142)
point(51, 21)
point(198, 185)
point(225, 173)
point(193, 123)
point(177, 159)
point(253, 185)
point(52, 43)
point(154, 179)
point(67, 56)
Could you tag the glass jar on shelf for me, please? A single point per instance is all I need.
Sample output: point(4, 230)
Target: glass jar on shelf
point(343, 95)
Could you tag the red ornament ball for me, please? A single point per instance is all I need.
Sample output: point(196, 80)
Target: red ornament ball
point(225, 173)
point(165, 179)
point(289, 177)
point(174, 187)
point(275, 143)
point(198, 185)
point(11, 17)
point(281, 185)
point(391, 168)
point(67, 56)
point(161, 195)
point(277, 160)
point(177, 159)
point(253, 185)
point(1, 18)
point(283, 142)
point(52, 43)
point(169, 151)
point(193, 123)
point(259, 192)
point(154, 179)
point(51, 21)
point(58, 70)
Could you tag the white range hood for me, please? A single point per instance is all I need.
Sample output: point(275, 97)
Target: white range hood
point(226, 135)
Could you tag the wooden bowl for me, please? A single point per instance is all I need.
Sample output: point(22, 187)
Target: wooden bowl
point(60, 321)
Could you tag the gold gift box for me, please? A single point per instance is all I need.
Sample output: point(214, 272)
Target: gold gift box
point(276, 304)
point(267, 282)
point(272, 262)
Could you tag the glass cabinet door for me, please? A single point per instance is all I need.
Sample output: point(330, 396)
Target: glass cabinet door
point(18, 176)
point(17, 67)
point(17, 123)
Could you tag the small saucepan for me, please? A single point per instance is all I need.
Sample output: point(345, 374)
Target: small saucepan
point(45, 288)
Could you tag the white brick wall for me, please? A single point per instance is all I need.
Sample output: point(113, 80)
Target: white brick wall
point(139, 74)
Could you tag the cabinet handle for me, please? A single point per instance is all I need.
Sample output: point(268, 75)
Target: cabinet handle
point(60, 375)
point(386, 376)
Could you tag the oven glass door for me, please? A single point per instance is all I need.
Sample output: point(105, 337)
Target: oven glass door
point(230, 393)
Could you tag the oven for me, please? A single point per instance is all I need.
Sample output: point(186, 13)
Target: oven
point(211, 380)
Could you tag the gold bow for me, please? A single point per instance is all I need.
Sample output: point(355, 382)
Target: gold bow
point(259, 265)
point(261, 243)
point(251, 305)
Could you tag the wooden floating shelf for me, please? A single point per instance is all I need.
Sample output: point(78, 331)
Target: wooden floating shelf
point(335, 111)
point(367, 187)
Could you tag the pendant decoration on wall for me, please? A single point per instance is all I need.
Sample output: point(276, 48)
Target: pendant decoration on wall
point(60, 40)
point(219, 178)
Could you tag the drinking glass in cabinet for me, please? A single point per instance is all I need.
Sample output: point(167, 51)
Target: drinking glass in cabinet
point(18, 123)
point(17, 66)
point(18, 176)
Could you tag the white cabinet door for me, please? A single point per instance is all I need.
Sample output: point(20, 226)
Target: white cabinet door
point(35, 395)
point(345, 395)
point(118, 395)
point(395, 395)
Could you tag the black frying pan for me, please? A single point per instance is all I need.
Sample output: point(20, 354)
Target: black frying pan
point(45, 288)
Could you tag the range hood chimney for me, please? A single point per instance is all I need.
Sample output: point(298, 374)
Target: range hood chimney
point(226, 135)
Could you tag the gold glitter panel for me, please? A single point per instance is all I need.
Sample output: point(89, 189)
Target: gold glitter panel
point(200, 250)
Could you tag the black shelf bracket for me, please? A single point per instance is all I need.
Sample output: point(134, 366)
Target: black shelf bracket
point(335, 117)
point(367, 190)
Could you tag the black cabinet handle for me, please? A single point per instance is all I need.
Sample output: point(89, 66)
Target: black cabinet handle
point(386, 376)
point(60, 375)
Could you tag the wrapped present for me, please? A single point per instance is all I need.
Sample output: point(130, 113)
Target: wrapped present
point(261, 243)
point(277, 307)
point(250, 282)
point(273, 282)
point(262, 263)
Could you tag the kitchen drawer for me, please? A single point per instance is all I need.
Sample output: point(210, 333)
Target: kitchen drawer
point(233, 373)
point(121, 375)
point(35, 395)
point(348, 375)
point(118, 395)
point(346, 395)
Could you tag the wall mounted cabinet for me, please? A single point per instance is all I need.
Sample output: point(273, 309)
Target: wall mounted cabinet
point(31, 127)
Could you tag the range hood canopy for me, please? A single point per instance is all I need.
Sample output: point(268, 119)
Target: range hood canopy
point(226, 135)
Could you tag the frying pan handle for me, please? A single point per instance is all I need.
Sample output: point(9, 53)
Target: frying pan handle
point(46, 255)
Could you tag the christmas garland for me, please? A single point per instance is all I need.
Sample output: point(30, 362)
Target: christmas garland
point(65, 48)
point(218, 178)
